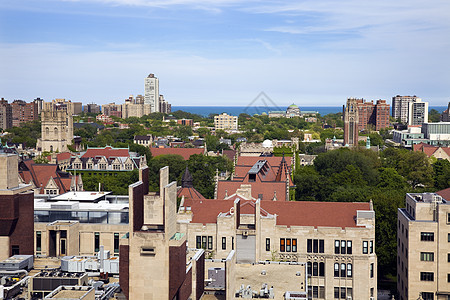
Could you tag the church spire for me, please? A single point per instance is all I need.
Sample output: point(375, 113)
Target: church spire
point(186, 179)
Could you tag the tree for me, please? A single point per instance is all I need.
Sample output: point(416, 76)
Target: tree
point(434, 116)
point(203, 170)
point(441, 169)
point(117, 184)
point(307, 183)
point(176, 164)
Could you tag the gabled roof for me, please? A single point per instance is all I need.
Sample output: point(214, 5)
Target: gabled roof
point(107, 151)
point(429, 150)
point(61, 156)
point(40, 175)
point(292, 213)
point(184, 152)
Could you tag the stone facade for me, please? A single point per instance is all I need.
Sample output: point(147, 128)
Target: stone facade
point(57, 126)
point(423, 253)
point(260, 231)
point(225, 122)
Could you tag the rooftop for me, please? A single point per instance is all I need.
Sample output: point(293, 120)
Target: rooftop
point(81, 196)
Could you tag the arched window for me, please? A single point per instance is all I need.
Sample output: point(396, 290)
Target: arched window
point(47, 131)
point(56, 130)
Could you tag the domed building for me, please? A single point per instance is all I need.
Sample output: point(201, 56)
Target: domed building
point(293, 111)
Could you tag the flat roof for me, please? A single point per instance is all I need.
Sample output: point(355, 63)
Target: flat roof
point(81, 196)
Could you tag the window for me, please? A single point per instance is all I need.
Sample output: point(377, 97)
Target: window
point(448, 257)
point(336, 270)
point(315, 246)
point(224, 243)
point(315, 269)
point(349, 270)
point(336, 247)
point(232, 243)
point(286, 245)
point(210, 242)
point(204, 242)
point(309, 268)
point(427, 296)
point(96, 241)
point(426, 276)
point(343, 268)
point(371, 247)
point(38, 241)
point(426, 256)
point(372, 266)
point(365, 247)
point(116, 242)
point(267, 244)
point(343, 245)
point(448, 277)
point(349, 247)
point(321, 269)
point(427, 236)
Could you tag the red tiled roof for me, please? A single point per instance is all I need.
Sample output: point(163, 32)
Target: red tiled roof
point(189, 193)
point(444, 194)
point(229, 153)
point(272, 160)
point(184, 152)
point(265, 188)
point(40, 174)
point(61, 156)
point(107, 152)
point(292, 213)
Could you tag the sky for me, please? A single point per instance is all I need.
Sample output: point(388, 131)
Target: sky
point(225, 52)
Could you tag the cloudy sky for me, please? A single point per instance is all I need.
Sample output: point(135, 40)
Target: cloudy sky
point(225, 52)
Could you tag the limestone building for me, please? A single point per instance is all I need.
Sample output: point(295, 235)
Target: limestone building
point(153, 263)
point(335, 240)
point(16, 209)
point(57, 126)
point(351, 122)
point(423, 253)
point(225, 122)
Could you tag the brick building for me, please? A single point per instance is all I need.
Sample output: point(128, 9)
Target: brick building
point(24, 112)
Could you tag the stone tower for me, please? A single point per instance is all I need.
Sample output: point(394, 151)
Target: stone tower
point(57, 126)
point(351, 121)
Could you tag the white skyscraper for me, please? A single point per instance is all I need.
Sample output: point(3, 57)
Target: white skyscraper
point(151, 95)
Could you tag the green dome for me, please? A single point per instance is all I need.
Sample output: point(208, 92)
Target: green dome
point(293, 106)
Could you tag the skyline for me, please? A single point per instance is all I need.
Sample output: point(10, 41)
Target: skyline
point(225, 51)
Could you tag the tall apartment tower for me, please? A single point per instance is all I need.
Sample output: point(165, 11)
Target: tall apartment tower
point(418, 112)
point(351, 121)
point(423, 253)
point(151, 95)
point(57, 126)
point(400, 107)
point(16, 209)
point(5, 114)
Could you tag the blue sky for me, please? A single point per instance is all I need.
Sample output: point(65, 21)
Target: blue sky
point(225, 52)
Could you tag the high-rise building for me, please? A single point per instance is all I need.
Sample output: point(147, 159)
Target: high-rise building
point(376, 114)
point(351, 122)
point(418, 112)
point(164, 106)
point(423, 254)
point(151, 95)
point(92, 108)
point(5, 114)
point(400, 107)
point(57, 126)
point(24, 112)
